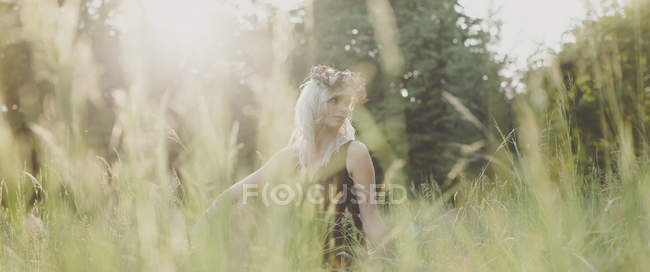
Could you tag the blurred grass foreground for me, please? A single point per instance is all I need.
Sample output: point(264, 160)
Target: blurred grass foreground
point(121, 120)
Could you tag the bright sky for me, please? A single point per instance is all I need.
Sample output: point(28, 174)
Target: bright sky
point(528, 23)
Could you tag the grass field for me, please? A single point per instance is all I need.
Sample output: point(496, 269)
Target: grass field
point(118, 209)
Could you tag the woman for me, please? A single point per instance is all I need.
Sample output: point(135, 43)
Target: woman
point(323, 149)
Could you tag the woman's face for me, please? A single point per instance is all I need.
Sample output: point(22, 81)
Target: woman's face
point(338, 108)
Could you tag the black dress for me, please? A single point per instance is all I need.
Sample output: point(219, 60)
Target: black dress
point(346, 230)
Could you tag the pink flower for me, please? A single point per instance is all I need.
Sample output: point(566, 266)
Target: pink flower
point(333, 79)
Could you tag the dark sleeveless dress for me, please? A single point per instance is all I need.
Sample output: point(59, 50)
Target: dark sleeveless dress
point(346, 230)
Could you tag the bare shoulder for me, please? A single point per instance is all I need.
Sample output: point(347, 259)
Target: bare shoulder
point(285, 153)
point(358, 161)
point(357, 150)
point(283, 156)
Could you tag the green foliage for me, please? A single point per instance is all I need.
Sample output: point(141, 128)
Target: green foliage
point(538, 211)
point(601, 81)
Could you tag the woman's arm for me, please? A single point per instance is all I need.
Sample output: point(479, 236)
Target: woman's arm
point(234, 193)
point(362, 172)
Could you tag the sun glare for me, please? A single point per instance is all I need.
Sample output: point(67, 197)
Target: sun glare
point(185, 22)
point(284, 4)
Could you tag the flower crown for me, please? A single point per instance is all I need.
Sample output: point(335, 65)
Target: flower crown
point(333, 80)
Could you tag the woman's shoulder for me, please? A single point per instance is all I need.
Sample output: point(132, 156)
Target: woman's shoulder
point(285, 155)
point(358, 158)
point(356, 148)
point(287, 152)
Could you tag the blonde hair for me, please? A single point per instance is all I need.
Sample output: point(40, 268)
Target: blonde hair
point(311, 109)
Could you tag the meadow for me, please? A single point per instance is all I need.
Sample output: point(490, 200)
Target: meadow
point(125, 172)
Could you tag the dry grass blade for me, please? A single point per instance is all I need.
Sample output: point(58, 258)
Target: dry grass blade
point(464, 111)
point(35, 183)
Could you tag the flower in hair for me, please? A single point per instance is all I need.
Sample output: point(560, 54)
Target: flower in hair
point(334, 79)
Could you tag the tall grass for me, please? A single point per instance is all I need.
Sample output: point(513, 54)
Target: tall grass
point(535, 210)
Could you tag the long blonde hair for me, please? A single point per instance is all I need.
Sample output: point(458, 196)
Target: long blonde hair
point(311, 109)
